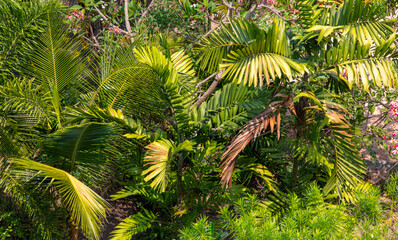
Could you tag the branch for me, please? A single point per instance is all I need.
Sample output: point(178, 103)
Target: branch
point(207, 79)
point(126, 16)
point(106, 19)
point(146, 11)
point(271, 9)
point(211, 89)
point(95, 39)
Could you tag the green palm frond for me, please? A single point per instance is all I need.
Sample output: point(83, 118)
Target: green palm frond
point(363, 65)
point(134, 224)
point(20, 24)
point(349, 169)
point(239, 33)
point(229, 106)
point(124, 83)
point(57, 61)
point(354, 18)
point(80, 144)
point(331, 145)
point(310, 12)
point(26, 100)
point(87, 208)
point(159, 157)
point(174, 95)
point(258, 58)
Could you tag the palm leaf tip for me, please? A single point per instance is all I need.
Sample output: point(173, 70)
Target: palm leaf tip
point(86, 207)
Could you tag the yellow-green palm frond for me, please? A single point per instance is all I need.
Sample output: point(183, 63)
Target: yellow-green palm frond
point(363, 65)
point(159, 157)
point(214, 48)
point(355, 18)
point(175, 96)
point(265, 59)
point(87, 208)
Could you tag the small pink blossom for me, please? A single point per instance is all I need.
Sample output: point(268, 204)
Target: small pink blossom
point(115, 29)
point(384, 137)
point(394, 108)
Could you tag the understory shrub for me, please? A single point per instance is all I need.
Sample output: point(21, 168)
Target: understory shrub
point(310, 217)
point(392, 186)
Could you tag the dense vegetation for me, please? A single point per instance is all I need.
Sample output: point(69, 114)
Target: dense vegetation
point(215, 119)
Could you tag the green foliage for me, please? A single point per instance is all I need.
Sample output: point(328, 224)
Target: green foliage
point(392, 186)
point(367, 204)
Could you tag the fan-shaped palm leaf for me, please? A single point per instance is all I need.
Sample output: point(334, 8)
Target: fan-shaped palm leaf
point(86, 207)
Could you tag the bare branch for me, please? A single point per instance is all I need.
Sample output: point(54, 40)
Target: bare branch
point(126, 16)
point(211, 89)
point(146, 11)
point(271, 9)
point(207, 79)
point(106, 19)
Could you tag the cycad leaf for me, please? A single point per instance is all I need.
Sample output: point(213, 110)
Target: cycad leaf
point(86, 207)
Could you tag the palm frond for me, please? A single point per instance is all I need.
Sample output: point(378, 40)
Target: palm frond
point(174, 95)
point(363, 65)
point(159, 157)
point(134, 224)
point(80, 144)
point(214, 48)
point(268, 56)
point(349, 169)
point(354, 18)
point(86, 207)
point(26, 101)
point(229, 106)
point(57, 61)
point(123, 83)
point(20, 24)
point(269, 117)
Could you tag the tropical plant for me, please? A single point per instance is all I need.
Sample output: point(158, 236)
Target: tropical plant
point(338, 51)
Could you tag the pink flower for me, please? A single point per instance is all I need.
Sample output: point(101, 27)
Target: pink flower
point(393, 134)
point(394, 108)
point(115, 29)
point(384, 137)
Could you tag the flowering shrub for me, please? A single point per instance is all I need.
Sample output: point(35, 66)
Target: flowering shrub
point(75, 15)
point(394, 110)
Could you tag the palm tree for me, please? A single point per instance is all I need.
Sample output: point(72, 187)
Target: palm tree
point(342, 43)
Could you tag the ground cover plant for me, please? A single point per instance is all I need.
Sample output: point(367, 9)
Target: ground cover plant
point(215, 119)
